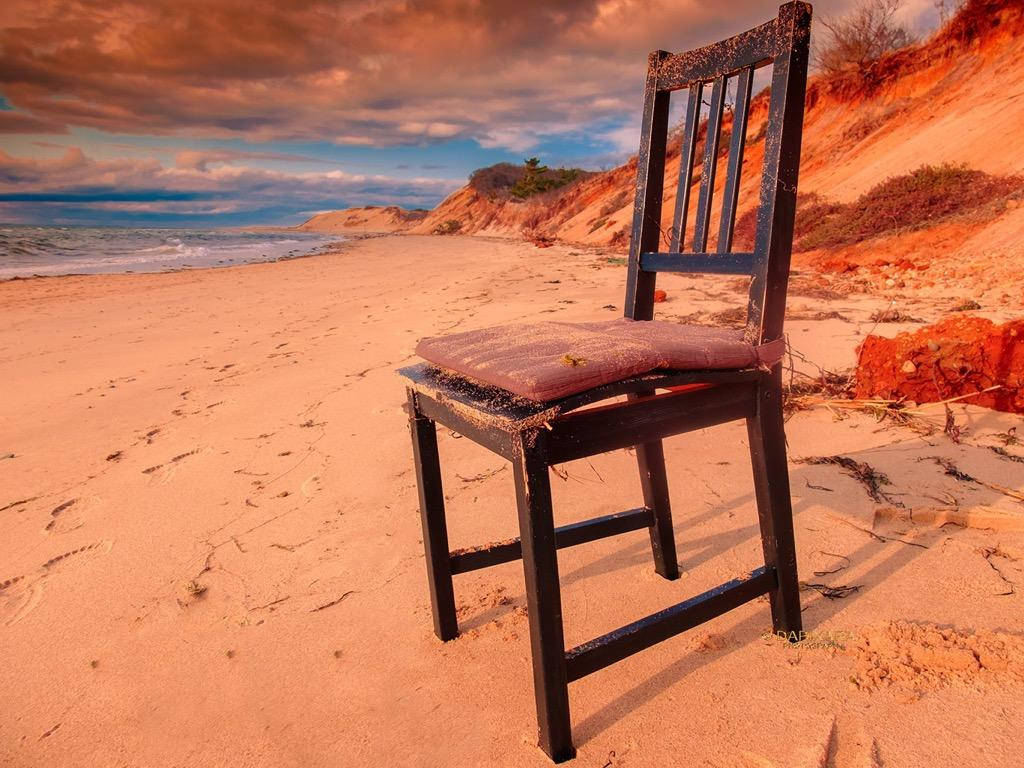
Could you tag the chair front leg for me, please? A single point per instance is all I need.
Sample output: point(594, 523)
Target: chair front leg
point(435, 529)
point(774, 506)
point(543, 596)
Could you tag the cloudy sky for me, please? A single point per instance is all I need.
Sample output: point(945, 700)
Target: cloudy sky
point(231, 112)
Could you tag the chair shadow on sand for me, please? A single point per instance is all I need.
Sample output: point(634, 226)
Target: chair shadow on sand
point(693, 552)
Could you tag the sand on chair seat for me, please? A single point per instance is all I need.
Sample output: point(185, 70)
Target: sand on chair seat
point(550, 360)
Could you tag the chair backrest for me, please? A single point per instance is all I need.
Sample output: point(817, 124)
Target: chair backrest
point(783, 44)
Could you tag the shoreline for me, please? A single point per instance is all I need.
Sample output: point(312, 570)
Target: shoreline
point(330, 248)
point(330, 243)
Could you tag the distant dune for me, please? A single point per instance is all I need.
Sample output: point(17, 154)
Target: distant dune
point(370, 218)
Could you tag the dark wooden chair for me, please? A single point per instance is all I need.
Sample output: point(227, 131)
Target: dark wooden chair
point(534, 436)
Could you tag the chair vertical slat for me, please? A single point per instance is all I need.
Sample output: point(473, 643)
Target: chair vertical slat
point(687, 151)
point(777, 208)
point(650, 185)
point(707, 175)
point(731, 194)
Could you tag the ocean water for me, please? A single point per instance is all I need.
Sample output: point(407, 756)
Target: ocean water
point(27, 250)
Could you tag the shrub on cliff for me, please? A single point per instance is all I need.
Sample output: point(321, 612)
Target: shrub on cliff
point(916, 200)
point(539, 178)
point(495, 180)
point(854, 43)
point(506, 180)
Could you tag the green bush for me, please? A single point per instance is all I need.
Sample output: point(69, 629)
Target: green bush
point(522, 181)
point(539, 178)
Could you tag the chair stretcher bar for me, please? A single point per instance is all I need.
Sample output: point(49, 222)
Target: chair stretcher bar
point(464, 560)
point(625, 641)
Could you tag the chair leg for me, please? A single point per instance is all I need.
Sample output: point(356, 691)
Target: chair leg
point(654, 482)
point(435, 530)
point(774, 506)
point(543, 597)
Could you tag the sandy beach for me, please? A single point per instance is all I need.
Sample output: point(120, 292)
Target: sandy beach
point(211, 548)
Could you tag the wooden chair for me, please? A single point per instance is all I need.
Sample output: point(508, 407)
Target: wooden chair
point(534, 436)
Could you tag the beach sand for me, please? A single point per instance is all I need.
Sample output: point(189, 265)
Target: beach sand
point(211, 548)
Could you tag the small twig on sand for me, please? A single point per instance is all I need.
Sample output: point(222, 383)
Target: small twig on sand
point(843, 566)
point(988, 553)
point(878, 536)
point(482, 476)
point(333, 602)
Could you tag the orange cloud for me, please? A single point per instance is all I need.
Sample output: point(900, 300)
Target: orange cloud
point(372, 72)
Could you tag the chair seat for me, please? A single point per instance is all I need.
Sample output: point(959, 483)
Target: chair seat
point(552, 360)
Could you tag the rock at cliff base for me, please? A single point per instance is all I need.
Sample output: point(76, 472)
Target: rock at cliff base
point(959, 356)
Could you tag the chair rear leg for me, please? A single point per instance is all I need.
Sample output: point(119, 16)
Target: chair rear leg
point(654, 482)
point(774, 506)
point(435, 529)
point(543, 597)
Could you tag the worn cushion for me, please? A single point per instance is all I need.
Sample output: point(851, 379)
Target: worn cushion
point(550, 360)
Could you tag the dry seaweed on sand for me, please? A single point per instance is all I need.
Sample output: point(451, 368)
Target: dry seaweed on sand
point(834, 391)
point(898, 412)
point(818, 287)
point(733, 316)
point(808, 391)
point(998, 450)
point(832, 593)
point(952, 470)
point(891, 315)
point(872, 480)
point(1009, 437)
point(807, 314)
point(804, 390)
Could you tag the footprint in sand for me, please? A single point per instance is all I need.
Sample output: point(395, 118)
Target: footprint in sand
point(21, 594)
point(310, 486)
point(69, 515)
point(162, 474)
